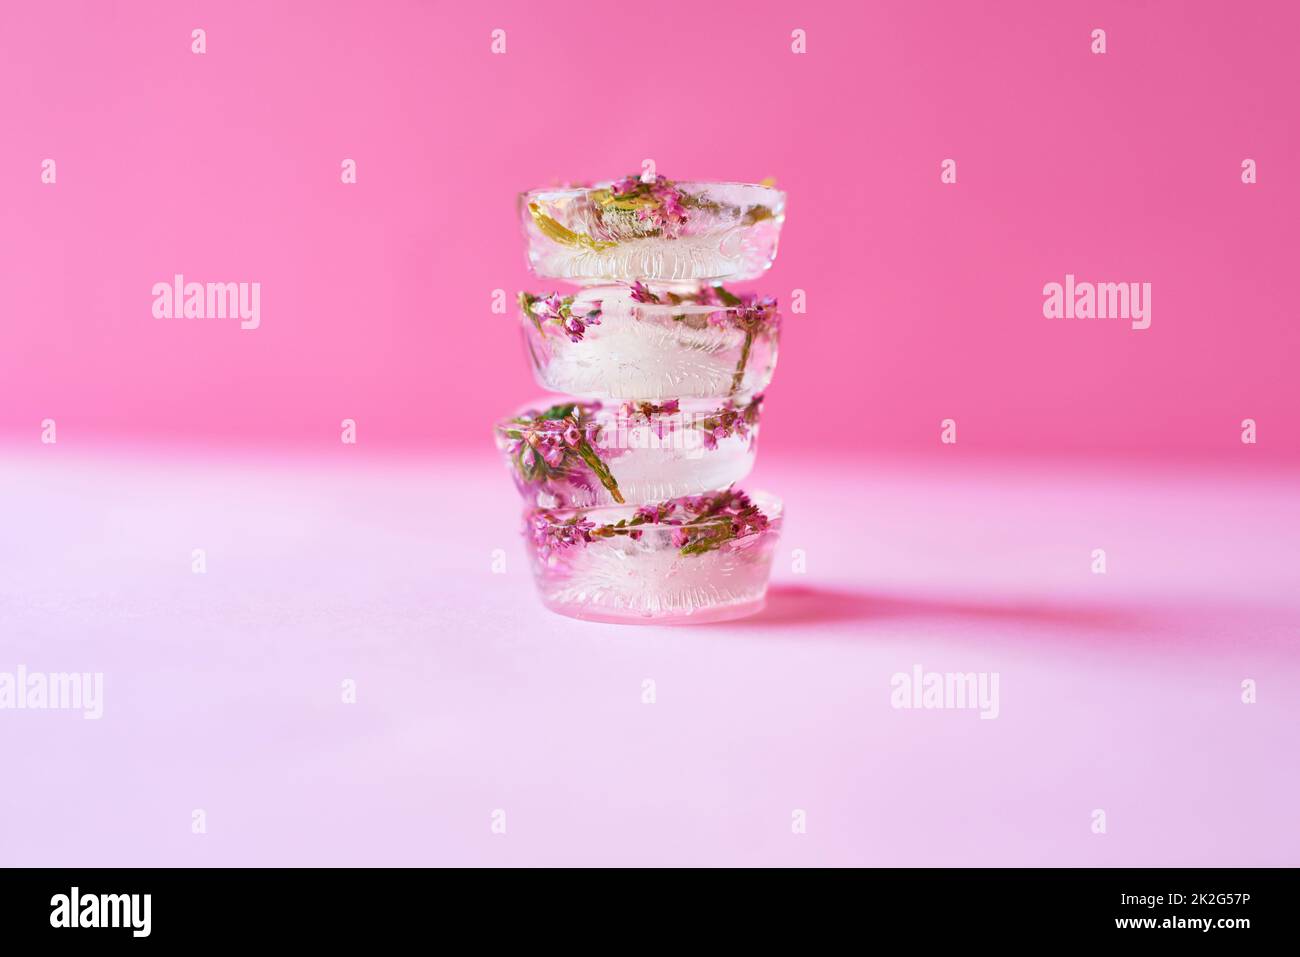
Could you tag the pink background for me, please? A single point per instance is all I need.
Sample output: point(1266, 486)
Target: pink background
point(924, 300)
point(374, 562)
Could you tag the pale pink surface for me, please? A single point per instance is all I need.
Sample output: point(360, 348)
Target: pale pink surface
point(1119, 692)
point(924, 299)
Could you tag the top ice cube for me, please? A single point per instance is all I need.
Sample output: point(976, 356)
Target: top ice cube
point(656, 231)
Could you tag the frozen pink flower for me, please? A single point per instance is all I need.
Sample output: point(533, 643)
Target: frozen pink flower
point(665, 212)
point(626, 185)
point(558, 310)
point(641, 293)
point(756, 311)
point(707, 296)
point(550, 535)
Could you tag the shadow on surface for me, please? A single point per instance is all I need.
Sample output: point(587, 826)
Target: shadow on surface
point(793, 605)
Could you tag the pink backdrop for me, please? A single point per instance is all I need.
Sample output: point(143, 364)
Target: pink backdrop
point(924, 299)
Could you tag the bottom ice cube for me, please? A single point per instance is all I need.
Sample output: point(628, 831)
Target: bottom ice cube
point(688, 560)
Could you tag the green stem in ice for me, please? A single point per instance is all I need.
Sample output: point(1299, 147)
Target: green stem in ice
point(739, 375)
point(561, 234)
point(601, 470)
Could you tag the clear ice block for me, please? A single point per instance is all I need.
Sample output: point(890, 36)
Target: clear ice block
point(575, 454)
point(688, 560)
point(658, 231)
point(642, 344)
